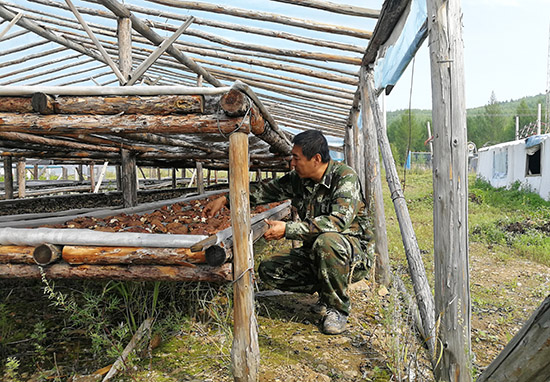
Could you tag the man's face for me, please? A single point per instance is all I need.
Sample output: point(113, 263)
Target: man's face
point(303, 166)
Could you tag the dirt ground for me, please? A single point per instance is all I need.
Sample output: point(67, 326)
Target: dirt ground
point(379, 344)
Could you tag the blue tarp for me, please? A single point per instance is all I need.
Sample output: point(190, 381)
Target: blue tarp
point(535, 140)
point(391, 66)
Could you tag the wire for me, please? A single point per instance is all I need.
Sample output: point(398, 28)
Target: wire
point(410, 126)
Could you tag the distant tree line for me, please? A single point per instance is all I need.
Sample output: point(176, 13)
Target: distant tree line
point(487, 125)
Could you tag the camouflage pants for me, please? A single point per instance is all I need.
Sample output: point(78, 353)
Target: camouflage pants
point(322, 267)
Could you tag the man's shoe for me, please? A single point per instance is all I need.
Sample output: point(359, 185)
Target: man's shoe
point(319, 308)
point(335, 322)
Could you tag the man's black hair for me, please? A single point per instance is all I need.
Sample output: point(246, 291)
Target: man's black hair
point(313, 142)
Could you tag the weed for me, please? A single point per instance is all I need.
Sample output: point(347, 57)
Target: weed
point(10, 372)
point(38, 336)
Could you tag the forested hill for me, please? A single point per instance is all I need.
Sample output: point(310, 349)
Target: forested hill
point(487, 125)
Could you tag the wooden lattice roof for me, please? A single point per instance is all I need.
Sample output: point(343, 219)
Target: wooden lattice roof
point(301, 58)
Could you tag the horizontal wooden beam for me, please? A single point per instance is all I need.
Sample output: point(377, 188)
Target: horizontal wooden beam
point(342, 9)
point(59, 124)
point(266, 16)
point(204, 273)
point(159, 105)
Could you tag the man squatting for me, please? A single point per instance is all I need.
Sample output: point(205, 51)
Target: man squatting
point(337, 243)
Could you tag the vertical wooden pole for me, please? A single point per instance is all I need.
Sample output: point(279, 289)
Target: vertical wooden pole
point(174, 180)
point(8, 178)
point(245, 352)
point(129, 179)
point(450, 182)
point(200, 179)
point(80, 170)
point(21, 179)
point(349, 148)
point(373, 185)
point(92, 177)
point(35, 172)
point(423, 293)
point(64, 173)
point(124, 35)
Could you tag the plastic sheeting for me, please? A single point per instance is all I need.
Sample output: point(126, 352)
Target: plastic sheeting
point(397, 53)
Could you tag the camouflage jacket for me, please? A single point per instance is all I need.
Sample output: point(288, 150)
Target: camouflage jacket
point(336, 204)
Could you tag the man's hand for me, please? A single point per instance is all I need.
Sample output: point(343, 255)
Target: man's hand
point(213, 207)
point(276, 229)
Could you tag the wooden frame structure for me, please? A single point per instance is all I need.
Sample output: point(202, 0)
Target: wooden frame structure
point(308, 73)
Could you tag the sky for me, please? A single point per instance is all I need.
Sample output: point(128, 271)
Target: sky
point(505, 52)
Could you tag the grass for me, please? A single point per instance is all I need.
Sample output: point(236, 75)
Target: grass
point(195, 320)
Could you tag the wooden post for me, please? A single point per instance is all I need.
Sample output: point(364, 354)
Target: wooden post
point(423, 293)
point(200, 179)
point(450, 182)
point(92, 177)
point(21, 179)
point(349, 148)
point(8, 178)
point(245, 353)
point(174, 180)
point(119, 177)
point(80, 173)
point(129, 179)
point(124, 35)
point(35, 172)
point(373, 186)
point(64, 173)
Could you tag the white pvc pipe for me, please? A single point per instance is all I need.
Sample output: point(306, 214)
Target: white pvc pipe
point(70, 236)
point(111, 90)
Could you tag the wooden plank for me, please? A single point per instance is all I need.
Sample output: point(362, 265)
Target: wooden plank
point(204, 273)
point(450, 194)
point(525, 357)
point(245, 352)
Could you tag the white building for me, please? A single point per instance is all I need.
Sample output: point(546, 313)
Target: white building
point(526, 160)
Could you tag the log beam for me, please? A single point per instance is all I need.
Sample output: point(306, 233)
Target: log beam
point(159, 105)
point(16, 104)
point(114, 124)
point(77, 255)
point(120, 272)
point(16, 254)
